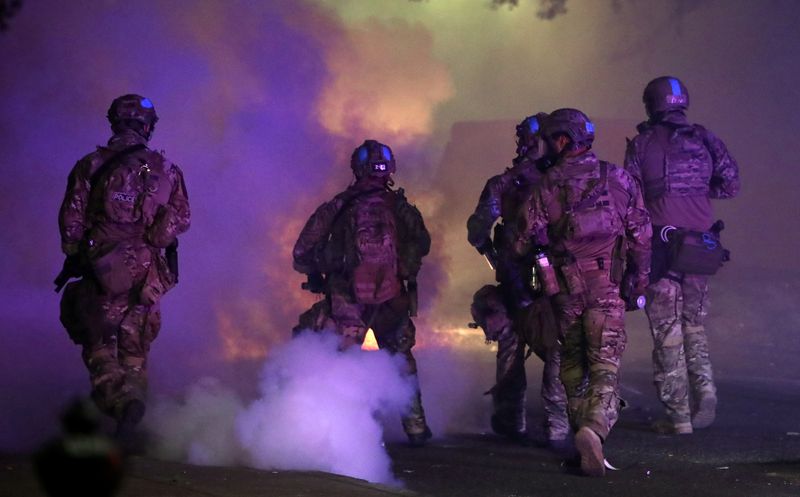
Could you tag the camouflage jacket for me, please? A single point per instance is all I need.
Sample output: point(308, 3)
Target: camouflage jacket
point(501, 198)
point(546, 214)
point(141, 195)
point(326, 246)
point(680, 167)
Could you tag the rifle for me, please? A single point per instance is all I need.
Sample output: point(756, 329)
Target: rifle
point(70, 269)
point(488, 251)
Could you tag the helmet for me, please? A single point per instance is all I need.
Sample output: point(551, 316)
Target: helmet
point(372, 158)
point(132, 107)
point(665, 94)
point(571, 122)
point(528, 134)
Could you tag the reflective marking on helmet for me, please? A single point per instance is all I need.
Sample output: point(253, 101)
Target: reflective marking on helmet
point(379, 166)
point(387, 154)
point(363, 154)
point(676, 86)
point(146, 103)
point(533, 125)
point(589, 127)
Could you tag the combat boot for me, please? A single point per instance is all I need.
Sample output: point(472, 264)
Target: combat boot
point(508, 429)
point(419, 439)
point(590, 447)
point(668, 427)
point(706, 411)
point(132, 414)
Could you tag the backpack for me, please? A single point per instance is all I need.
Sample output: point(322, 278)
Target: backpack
point(374, 234)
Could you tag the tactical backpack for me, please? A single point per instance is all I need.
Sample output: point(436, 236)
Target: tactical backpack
point(374, 233)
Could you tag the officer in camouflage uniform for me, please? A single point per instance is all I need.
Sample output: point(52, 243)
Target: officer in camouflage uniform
point(681, 166)
point(591, 216)
point(504, 311)
point(124, 205)
point(363, 250)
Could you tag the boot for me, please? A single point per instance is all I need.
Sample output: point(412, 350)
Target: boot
point(419, 439)
point(590, 447)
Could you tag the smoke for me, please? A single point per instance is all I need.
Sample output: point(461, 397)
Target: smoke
point(318, 410)
point(200, 429)
point(261, 103)
point(383, 88)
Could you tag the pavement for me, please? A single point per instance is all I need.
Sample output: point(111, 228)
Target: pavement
point(753, 449)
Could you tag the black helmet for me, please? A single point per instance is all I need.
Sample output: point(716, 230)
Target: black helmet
point(372, 158)
point(528, 134)
point(132, 108)
point(572, 123)
point(665, 94)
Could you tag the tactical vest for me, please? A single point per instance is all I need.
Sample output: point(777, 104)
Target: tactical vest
point(130, 190)
point(589, 213)
point(687, 164)
point(375, 242)
point(126, 193)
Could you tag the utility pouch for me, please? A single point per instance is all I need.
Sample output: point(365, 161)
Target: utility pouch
point(108, 263)
point(592, 216)
point(540, 330)
point(696, 252)
point(375, 283)
point(547, 281)
point(589, 223)
point(159, 280)
point(573, 278)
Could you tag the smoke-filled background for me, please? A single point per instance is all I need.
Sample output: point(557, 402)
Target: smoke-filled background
point(261, 103)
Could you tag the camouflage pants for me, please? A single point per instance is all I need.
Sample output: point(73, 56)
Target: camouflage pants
point(681, 364)
point(394, 331)
point(509, 393)
point(115, 336)
point(594, 339)
point(535, 326)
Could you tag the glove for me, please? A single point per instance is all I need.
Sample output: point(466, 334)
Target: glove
point(485, 246)
point(632, 291)
point(315, 283)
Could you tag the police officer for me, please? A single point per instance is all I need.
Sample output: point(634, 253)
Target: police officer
point(504, 310)
point(123, 209)
point(590, 214)
point(681, 167)
point(363, 250)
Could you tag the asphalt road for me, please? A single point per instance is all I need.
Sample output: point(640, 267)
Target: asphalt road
point(753, 449)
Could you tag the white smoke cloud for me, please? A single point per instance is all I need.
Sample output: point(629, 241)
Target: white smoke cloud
point(199, 430)
point(318, 410)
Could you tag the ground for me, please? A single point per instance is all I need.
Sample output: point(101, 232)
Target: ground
point(752, 450)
